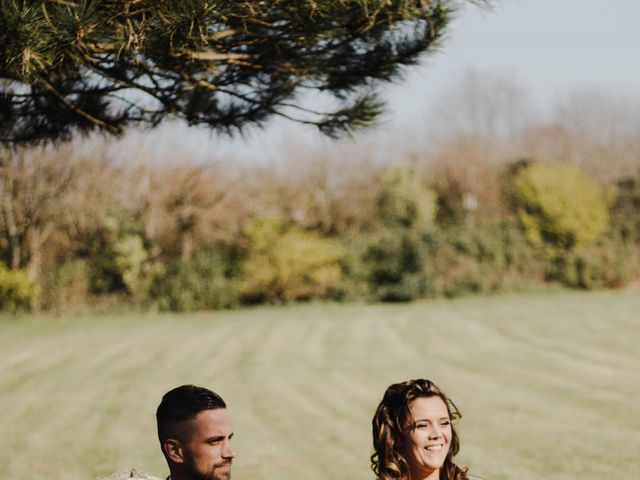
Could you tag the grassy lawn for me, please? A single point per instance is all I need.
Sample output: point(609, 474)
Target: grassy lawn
point(548, 385)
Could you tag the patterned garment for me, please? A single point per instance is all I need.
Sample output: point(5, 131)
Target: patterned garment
point(130, 475)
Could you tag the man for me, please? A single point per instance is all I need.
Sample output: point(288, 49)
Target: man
point(195, 434)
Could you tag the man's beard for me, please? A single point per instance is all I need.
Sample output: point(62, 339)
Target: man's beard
point(212, 474)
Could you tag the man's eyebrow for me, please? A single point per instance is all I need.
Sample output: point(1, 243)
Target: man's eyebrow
point(217, 438)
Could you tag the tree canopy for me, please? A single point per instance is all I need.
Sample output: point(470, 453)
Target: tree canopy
point(81, 65)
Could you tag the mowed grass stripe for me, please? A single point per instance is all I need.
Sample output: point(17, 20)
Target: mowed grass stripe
point(544, 382)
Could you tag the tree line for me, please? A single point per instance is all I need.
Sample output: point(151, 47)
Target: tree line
point(476, 210)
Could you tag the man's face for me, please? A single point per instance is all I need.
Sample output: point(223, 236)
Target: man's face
point(208, 452)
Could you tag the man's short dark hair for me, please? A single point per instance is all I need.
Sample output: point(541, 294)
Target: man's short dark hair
point(182, 404)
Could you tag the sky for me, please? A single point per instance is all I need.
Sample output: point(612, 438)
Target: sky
point(550, 47)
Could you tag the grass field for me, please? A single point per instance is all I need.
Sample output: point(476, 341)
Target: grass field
point(549, 385)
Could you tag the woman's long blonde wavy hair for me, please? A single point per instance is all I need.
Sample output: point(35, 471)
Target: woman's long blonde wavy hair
point(391, 423)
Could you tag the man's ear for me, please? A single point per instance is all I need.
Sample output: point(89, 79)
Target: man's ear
point(173, 449)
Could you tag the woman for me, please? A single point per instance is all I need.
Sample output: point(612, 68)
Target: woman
point(413, 434)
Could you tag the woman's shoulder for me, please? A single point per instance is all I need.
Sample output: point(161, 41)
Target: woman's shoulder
point(473, 477)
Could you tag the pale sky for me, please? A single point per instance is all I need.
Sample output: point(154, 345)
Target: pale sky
point(551, 47)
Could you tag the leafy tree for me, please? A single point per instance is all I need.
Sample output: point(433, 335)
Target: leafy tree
point(396, 255)
point(626, 208)
point(33, 186)
point(70, 65)
point(405, 200)
point(559, 205)
point(285, 262)
point(17, 291)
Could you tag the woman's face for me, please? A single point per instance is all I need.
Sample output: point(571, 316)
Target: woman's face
point(428, 440)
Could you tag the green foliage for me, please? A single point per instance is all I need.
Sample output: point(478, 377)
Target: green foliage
point(395, 255)
point(395, 259)
point(488, 257)
point(287, 263)
point(611, 263)
point(17, 291)
point(131, 260)
point(207, 282)
point(355, 271)
point(120, 261)
point(453, 261)
point(66, 286)
point(405, 199)
point(112, 256)
point(625, 210)
point(218, 64)
point(559, 205)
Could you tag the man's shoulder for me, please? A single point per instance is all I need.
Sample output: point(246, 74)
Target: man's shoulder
point(130, 475)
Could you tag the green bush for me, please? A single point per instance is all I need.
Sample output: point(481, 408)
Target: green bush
point(17, 291)
point(611, 263)
point(131, 261)
point(119, 259)
point(66, 285)
point(559, 205)
point(488, 257)
point(462, 275)
point(626, 208)
point(395, 260)
point(355, 272)
point(284, 262)
point(405, 200)
point(207, 282)
point(451, 261)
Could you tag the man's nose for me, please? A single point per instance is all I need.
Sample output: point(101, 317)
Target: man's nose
point(228, 451)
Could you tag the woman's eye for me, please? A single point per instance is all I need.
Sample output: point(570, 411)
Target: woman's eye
point(445, 424)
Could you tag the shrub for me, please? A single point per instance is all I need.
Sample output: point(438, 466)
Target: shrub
point(285, 262)
point(66, 285)
point(131, 261)
point(120, 261)
point(395, 255)
point(17, 291)
point(355, 272)
point(206, 282)
point(405, 200)
point(611, 263)
point(626, 208)
point(491, 256)
point(395, 259)
point(462, 275)
point(560, 206)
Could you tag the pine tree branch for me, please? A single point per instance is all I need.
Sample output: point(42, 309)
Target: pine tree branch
point(224, 64)
point(96, 121)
